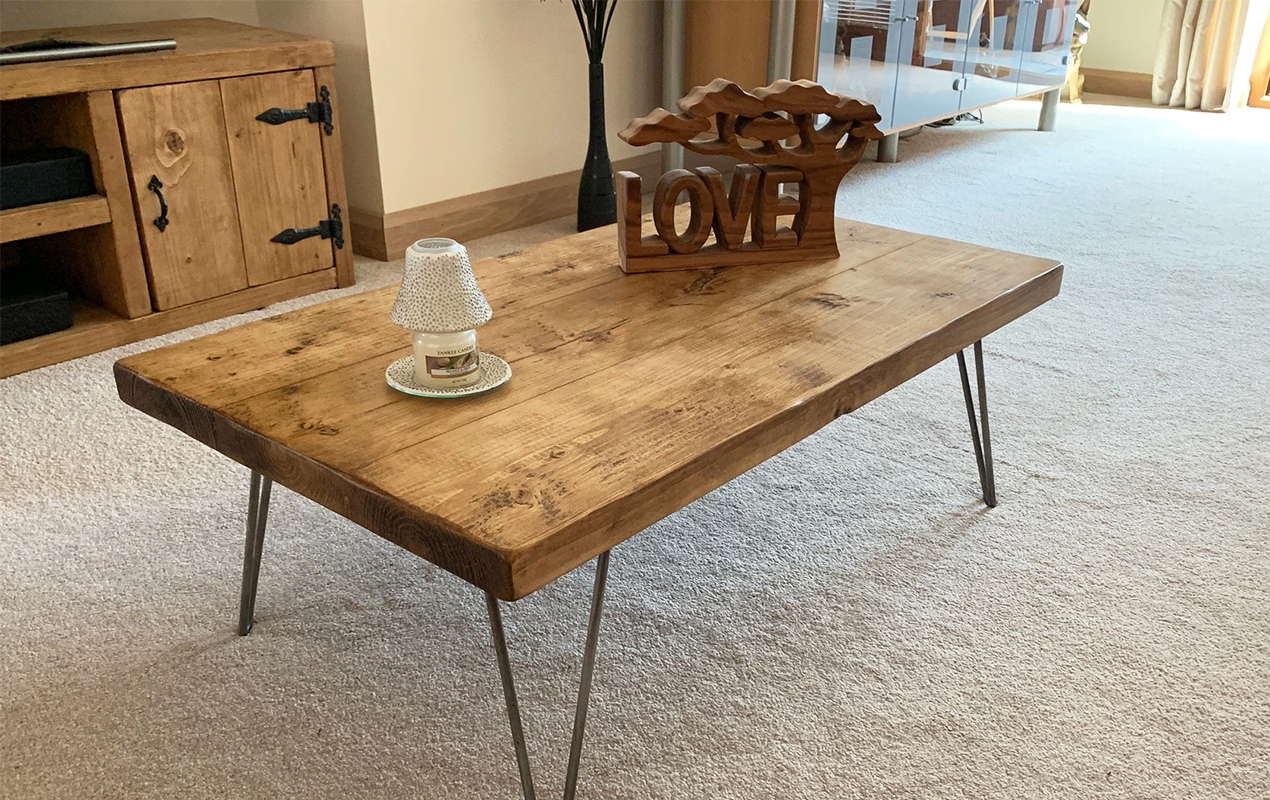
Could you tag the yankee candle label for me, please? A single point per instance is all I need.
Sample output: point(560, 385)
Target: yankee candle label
point(453, 366)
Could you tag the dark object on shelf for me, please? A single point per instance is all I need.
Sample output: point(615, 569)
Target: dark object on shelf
point(61, 49)
point(44, 174)
point(597, 197)
point(31, 307)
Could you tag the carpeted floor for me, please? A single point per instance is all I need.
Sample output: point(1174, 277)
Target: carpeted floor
point(845, 621)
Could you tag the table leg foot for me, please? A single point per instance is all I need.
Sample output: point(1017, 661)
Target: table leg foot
point(1049, 110)
point(584, 687)
point(889, 148)
point(257, 515)
point(983, 448)
point(588, 668)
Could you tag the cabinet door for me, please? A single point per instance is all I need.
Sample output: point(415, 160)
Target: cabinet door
point(931, 60)
point(278, 174)
point(1046, 42)
point(859, 51)
point(176, 133)
point(994, 51)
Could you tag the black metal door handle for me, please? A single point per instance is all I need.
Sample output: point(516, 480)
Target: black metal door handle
point(155, 185)
point(319, 112)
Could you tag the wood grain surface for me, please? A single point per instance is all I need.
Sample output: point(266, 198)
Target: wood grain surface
point(767, 118)
point(279, 177)
point(177, 132)
point(631, 397)
point(205, 48)
point(100, 263)
point(98, 329)
point(45, 218)
point(333, 164)
point(125, 288)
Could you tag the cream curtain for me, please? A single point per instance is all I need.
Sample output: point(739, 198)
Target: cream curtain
point(1198, 43)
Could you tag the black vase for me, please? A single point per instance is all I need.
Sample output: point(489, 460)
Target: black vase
point(597, 201)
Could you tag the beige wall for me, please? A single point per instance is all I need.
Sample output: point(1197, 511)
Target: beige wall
point(24, 14)
point(1123, 34)
point(342, 22)
point(471, 96)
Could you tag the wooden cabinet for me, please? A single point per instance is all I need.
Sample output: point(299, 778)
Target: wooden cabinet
point(229, 181)
point(218, 174)
point(176, 134)
point(278, 175)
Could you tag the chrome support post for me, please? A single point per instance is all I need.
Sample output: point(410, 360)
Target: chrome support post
point(584, 687)
point(257, 516)
point(983, 449)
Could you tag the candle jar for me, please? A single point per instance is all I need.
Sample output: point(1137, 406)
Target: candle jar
point(441, 305)
point(447, 360)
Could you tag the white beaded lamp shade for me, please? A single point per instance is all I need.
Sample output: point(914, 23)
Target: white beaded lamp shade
point(438, 291)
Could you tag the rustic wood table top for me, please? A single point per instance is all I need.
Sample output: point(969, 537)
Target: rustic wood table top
point(632, 395)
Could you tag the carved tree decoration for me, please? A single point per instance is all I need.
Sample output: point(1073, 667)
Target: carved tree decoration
point(774, 128)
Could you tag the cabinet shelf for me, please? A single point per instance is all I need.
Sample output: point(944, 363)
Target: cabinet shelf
point(97, 328)
point(232, 180)
point(56, 217)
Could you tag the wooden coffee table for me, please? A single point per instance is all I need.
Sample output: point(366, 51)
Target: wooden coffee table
point(632, 396)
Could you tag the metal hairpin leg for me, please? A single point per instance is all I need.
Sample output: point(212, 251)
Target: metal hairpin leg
point(584, 688)
point(983, 451)
point(257, 515)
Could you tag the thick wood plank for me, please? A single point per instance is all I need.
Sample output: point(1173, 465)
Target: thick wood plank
point(278, 174)
point(63, 215)
point(122, 271)
point(206, 49)
point(631, 397)
point(176, 132)
point(357, 328)
point(98, 329)
point(1259, 83)
point(333, 164)
point(588, 337)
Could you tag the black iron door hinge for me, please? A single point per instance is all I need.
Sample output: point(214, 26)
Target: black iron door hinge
point(332, 228)
point(314, 112)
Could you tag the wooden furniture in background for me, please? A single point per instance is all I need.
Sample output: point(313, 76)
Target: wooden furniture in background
point(177, 133)
point(731, 40)
point(183, 124)
point(816, 165)
point(1259, 86)
point(98, 258)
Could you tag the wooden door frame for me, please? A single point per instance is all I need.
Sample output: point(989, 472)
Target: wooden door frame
point(1259, 92)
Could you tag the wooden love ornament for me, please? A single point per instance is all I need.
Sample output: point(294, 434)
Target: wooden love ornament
point(773, 132)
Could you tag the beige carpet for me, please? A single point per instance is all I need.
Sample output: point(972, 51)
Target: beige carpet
point(846, 621)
